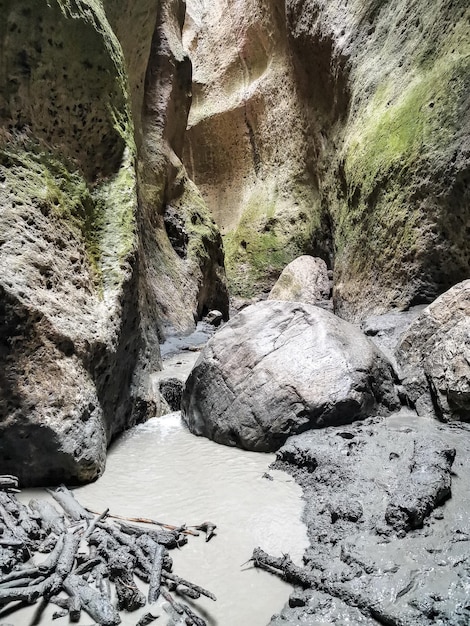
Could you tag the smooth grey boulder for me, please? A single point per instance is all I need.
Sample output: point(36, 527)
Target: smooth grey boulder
point(280, 368)
point(304, 280)
point(434, 356)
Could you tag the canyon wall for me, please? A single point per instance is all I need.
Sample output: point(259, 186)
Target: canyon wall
point(87, 173)
point(340, 129)
point(248, 144)
point(397, 170)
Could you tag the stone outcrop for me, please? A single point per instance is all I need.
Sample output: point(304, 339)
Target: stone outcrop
point(434, 356)
point(396, 160)
point(280, 368)
point(305, 279)
point(68, 319)
point(79, 324)
point(338, 129)
point(182, 268)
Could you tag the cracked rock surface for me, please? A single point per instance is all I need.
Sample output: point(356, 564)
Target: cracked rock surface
point(279, 368)
point(434, 355)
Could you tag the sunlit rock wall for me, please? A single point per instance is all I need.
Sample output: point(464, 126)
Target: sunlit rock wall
point(339, 128)
point(248, 145)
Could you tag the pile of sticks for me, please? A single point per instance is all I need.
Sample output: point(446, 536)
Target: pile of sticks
point(92, 558)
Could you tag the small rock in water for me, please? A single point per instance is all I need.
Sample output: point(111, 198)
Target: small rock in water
point(171, 389)
point(214, 318)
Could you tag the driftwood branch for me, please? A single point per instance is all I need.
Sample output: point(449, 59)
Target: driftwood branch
point(386, 614)
point(86, 555)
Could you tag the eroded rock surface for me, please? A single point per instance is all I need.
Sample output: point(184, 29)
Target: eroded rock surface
point(305, 279)
point(434, 355)
point(80, 199)
point(279, 368)
point(338, 129)
point(182, 264)
point(69, 322)
point(248, 143)
point(388, 542)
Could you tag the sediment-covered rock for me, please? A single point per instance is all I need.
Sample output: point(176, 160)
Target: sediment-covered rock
point(279, 368)
point(434, 356)
point(304, 280)
point(388, 543)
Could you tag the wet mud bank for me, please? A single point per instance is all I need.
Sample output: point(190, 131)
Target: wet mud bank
point(386, 504)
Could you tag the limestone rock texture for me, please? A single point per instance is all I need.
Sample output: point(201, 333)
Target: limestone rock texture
point(279, 368)
point(79, 328)
point(339, 129)
point(434, 356)
point(305, 279)
point(248, 142)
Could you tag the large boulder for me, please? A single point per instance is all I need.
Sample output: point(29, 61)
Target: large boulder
point(280, 368)
point(305, 279)
point(434, 355)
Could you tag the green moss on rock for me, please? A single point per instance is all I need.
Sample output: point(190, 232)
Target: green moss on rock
point(397, 131)
point(400, 219)
point(271, 232)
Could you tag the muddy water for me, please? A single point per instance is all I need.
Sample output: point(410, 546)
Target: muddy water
point(159, 470)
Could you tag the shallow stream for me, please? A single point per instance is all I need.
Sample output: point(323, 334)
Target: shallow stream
point(159, 470)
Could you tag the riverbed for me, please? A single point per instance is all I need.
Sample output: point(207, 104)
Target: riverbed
point(161, 471)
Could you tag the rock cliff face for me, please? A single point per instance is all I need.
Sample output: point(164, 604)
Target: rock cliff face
point(248, 145)
point(179, 241)
point(76, 329)
point(397, 166)
point(338, 127)
point(68, 195)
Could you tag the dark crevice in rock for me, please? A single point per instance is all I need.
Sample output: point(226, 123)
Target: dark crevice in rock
point(253, 144)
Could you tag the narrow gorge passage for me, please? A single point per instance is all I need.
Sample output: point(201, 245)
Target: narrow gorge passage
point(296, 173)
